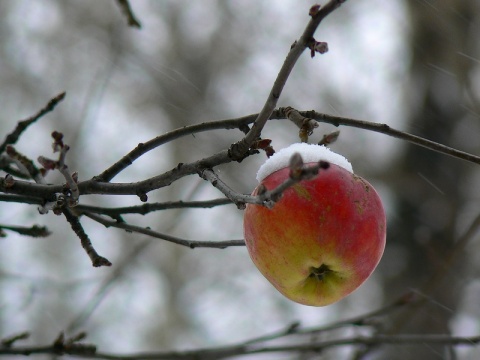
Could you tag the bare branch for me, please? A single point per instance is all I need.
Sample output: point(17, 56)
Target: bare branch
point(150, 207)
point(9, 341)
point(60, 346)
point(222, 157)
point(239, 149)
point(95, 186)
point(407, 299)
point(147, 231)
point(264, 197)
point(371, 340)
point(260, 344)
point(97, 260)
point(6, 165)
point(89, 351)
point(13, 137)
point(33, 231)
point(238, 199)
point(143, 148)
point(387, 130)
point(361, 320)
point(25, 165)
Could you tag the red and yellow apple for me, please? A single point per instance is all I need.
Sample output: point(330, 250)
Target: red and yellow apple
point(322, 239)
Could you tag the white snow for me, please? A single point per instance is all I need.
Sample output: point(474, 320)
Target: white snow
point(309, 153)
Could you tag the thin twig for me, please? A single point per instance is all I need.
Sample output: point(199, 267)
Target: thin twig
point(143, 148)
point(387, 130)
point(13, 137)
point(33, 231)
point(25, 165)
point(238, 150)
point(96, 186)
point(361, 320)
point(97, 260)
point(265, 197)
point(21, 199)
point(127, 11)
point(9, 341)
point(6, 163)
point(147, 231)
point(150, 207)
point(238, 199)
point(121, 268)
point(88, 351)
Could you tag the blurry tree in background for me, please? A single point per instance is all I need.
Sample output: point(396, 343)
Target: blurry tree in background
point(435, 203)
point(414, 65)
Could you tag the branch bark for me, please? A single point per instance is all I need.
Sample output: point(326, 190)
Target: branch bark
point(239, 149)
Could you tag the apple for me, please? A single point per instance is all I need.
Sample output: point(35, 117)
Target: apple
point(325, 235)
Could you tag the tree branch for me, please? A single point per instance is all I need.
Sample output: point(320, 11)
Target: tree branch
point(151, 207)
point(97, 260)
point(361, 320)
point(387, 130)
point(128, 12)
point(95, 186)
point(13, 137)
point(239, 149)
point(265, 197)
point(143, 148)
point(261, 343)
point(89, 351)
point(33, 231)
point(147, 231)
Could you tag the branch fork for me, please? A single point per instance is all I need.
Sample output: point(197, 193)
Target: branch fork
point(298, 172)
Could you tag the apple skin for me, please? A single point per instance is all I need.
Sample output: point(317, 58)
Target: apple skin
point(321, 240)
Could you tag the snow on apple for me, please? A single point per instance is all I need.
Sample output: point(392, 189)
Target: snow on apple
point(325, 235)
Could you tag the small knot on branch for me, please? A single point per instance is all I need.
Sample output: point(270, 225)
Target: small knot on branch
point(239, 151)
point(306, 125)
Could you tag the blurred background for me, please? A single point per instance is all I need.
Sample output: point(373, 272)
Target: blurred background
point(412, 64)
